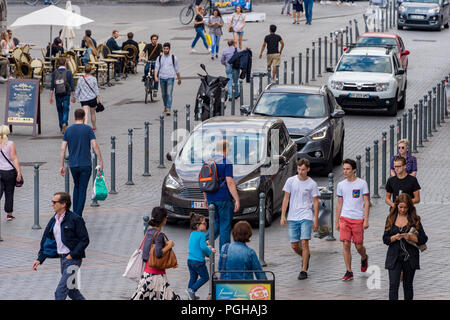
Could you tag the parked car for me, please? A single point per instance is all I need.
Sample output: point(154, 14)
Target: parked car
point(369, 77)
point(256, 167)
point(370, 39)
point(424, 14)
point(313, 118)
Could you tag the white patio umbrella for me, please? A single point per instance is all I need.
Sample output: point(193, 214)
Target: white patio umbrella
point(68, 34)
point(51, 16)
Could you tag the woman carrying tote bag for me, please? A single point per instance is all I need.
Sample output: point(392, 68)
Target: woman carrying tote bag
point(154, 284)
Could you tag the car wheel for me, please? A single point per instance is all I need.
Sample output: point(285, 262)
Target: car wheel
point(340, 156)
point(392, 110)
point(268, 215)
point(402, 102)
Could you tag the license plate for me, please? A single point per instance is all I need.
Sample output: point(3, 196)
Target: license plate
point(359, 95)
point(417, 17)
point(197, 205)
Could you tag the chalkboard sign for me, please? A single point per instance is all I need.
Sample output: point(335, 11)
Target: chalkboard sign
point(23, 103)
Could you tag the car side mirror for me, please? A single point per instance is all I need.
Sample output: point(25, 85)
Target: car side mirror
point(338, 113)
point(405, 53)
point(400, 72)
point(245, 110)
point(170, 156)
point(330, 69)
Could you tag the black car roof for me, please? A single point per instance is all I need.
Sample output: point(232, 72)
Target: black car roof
point(241, 121)
point(295, 89)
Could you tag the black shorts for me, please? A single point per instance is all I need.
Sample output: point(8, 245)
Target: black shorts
point(91, 103)
point(297, 7)
point(198, 2)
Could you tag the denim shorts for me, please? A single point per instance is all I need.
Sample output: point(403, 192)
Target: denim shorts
point(239, 33)
point(300, 230)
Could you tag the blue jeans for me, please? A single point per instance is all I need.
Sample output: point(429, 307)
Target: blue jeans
point(199, 34)
point(215, 41)
point(233, 75)
point(63, 105)
point(223, 216)
point(287, 3)
point(62, 291)
point(308, 4)
point(146, 70)
point(196, 269)
point(166, 91)
point(81, 176)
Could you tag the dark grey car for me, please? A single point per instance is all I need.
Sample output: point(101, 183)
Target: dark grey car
point(313, 118)
point(424, 14)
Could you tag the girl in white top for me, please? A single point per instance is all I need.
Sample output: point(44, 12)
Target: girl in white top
point(238, 24)
point(9, 172)
point(4, 42)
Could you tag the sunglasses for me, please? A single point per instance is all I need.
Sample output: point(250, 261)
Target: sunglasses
point(401, 147)
point(53, 201)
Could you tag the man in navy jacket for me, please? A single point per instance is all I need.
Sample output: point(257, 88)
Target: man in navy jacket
point(65, 237)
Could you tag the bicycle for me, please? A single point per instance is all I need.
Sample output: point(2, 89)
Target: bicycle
point(34, 2)
point(149, 81)
point(188, 12)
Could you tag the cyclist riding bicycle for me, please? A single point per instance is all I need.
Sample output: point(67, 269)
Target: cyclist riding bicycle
point(153, 50)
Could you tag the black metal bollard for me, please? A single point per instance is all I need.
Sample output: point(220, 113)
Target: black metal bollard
point(346, 36)
point(420, 123)
point(356, 29)
point(260, 75)
point(430, 114)
point(36, 225)
point(300, 71)
point(67, 175)
point(375, 169)
point(188, 118)
point(241, 93)
point(233, 99)
point(284, 72)
point(175, 127)
point(325, 54)
point(445, 83)
point(441, 100)
point(319, 60)
point(252, 95)
point(330, 236)
point(435, 110)
point(277, 73)
point(94, 202)
point(307, 66)
point(292, 70)
point(358, 166)
point(211, 211)
point(147, 144)
point(336, 49)
point(365, 23)
point(211, 105)
point(410, 125)
point(391, 143)
point(130, 157)
point(390, 14)
point(382, 21)
point(342, 42)
point(113, 166)
point(414, 142)
point(222, 97)
point(425, 118)
point(383, 159)
point(262, 223)
point(146, 219)
point(313, 62)
point(269, 75)
point(351, 31)
point(331, 49)
point(399, 129)
point(161, 142)
point(405, 123)
point(368, 167)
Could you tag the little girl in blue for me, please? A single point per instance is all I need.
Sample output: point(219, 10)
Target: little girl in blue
point(196, 258)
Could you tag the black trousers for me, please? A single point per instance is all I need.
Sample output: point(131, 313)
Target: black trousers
point(408, 278)
point(7, 186)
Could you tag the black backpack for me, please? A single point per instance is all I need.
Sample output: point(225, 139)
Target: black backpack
point(208, 178)
point(61, 83)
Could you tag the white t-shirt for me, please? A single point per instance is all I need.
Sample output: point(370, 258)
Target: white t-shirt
point(353, 198)
point(301, 198)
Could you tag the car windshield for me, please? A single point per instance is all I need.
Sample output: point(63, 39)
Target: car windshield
point(423, 1)
point(300, 105)
point(368, 41)
point(365, 64)
point(246, 145)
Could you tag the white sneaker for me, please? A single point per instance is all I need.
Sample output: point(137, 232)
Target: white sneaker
point(209, 50)
point(3, 79)
point(193, 50)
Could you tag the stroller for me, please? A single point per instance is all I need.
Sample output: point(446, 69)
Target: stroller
point(209, 86)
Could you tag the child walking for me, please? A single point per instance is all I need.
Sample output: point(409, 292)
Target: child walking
point(196, 258)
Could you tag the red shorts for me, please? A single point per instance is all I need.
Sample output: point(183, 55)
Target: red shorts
point(351, 229)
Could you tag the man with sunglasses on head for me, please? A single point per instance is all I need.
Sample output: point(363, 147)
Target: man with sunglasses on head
point(402, 182)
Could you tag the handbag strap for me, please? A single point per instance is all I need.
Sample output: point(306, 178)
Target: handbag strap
point(7, 159)
point(84, 78)
point(153, 51)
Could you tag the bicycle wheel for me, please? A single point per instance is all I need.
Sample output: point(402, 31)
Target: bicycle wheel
point(31, 2)
point(186, 15)
point(146, 90)
point(208, 11)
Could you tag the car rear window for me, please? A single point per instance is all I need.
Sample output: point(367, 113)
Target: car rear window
point(367, 41)
point(365, 63)
point(298, 105)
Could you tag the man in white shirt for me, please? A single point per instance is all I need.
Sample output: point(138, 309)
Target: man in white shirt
point(301, 194)
point(352, 215)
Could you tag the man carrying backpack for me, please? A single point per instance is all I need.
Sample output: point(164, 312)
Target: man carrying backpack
point(218, 173)
point(62, 87)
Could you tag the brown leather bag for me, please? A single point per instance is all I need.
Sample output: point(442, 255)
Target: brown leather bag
point(167, 261)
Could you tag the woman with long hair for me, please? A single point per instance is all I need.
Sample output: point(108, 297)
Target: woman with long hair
point(237, 24)
point(154, 284)
point(4, 42)
point(215, 25)
point(404, 234)
point(90, 49)
point(10, 171)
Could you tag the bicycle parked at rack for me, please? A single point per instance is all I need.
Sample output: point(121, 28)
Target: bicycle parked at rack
point(187, 13)
point(34, 2)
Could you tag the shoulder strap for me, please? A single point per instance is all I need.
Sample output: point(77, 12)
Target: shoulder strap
point(153, 51)
point(7, 159)
point(173, 62)
point(84, 78)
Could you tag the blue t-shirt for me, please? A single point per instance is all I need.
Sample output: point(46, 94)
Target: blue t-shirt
point(224, 169)
point(197, 246)
point(78, 138)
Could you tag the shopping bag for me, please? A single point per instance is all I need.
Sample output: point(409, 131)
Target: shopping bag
point(136, 265)
point(99, 191)
point(208, 39)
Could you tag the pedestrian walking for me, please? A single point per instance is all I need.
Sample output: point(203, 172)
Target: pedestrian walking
point(198, 249)
point(215, 25)
point(166, 68)
point(66, 238)
point(402, 182)
point(308, 10)
point(297, 8)
point(273, 54)
point(404, 234)
point(153, 50)
point(62, 86)
point(237, 25)
point(237, 256)
point(287, 3)
point(301, 194)
point(88, 94)
point(411, 161)
point(223, 198)
point(79, 138)
point(232, 73)
point(10, 171)
point(199, 26)
point(154, 284)
point(352, 216)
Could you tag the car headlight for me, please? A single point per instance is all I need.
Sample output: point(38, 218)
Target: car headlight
point(382, 86)
point(434, 10)
point(171, 183)
point(249, 185)
point(401, 9)
point(338, 85)
point(319, 134)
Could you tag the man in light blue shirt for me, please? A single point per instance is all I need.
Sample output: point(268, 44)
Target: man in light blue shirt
point(166, 67)
point(232, 74)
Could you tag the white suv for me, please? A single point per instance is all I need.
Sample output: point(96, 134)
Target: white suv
point(369, 77)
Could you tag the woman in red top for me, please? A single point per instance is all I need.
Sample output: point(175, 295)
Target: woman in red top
point(153, 284)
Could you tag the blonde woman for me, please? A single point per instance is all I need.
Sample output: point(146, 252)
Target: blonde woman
point(4, 43)
point(237, 24)
point(10, 170)
point(90, 49)
point(88, 95)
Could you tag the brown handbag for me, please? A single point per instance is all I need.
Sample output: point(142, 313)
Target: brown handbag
point(230, 29)
point(167, 261)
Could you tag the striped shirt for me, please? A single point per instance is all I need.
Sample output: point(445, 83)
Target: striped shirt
point(83, 92)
